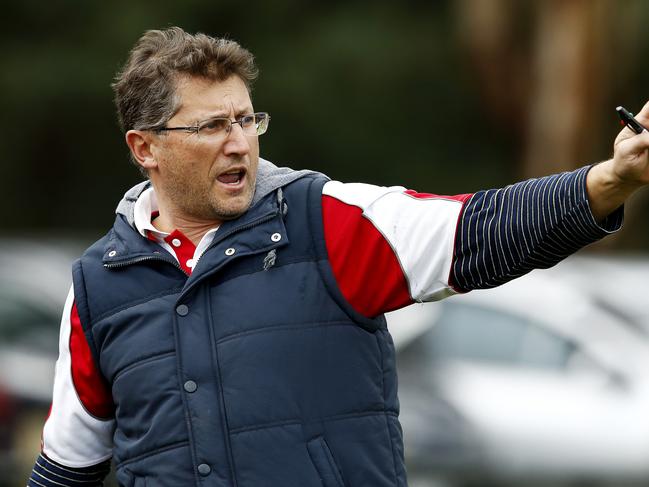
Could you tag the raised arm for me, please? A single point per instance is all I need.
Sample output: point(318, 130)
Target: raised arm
point(390, 247)
point(505, 233)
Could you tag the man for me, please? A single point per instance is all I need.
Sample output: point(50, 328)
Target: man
point(228, 330)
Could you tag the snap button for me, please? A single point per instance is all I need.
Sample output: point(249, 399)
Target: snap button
point(190, 386)
point(112, 253)
point(204, 469)
point(230, 251)
point(175, 242)
point(276, 237)
point(182, 309)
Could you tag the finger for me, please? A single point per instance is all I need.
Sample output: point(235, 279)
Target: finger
point(643, 115)
point(637, 144)
point(624, 134)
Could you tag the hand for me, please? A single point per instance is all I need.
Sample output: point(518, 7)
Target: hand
point(610, 183)
point(631, 154)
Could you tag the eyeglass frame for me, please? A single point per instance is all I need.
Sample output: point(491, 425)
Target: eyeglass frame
point(195, 129)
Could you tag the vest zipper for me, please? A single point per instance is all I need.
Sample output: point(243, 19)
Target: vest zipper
point(175, 263)
point(220, 238)
point(143, 259)
point(247, 226)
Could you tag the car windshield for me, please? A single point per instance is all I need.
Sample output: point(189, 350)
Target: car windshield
point(480, 334)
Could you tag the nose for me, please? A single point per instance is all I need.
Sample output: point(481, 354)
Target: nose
point(236, 142)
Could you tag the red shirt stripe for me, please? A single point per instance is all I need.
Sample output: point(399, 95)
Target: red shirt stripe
point(365, 266)
point(431, 196)
point(91, 387)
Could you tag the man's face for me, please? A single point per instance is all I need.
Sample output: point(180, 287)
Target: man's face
point(203, 177)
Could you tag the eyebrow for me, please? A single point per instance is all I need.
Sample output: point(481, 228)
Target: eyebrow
point(237, 113)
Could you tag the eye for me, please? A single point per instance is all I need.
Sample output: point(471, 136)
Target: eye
point(248, 120)
point(214, 125)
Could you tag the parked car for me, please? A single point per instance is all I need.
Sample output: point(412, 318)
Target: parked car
point(34, 281)
point(544, 379)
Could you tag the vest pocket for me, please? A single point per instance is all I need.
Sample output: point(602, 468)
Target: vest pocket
point(324, 463)
point(126, 479)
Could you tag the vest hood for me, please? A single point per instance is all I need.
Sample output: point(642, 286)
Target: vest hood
point(269, 178)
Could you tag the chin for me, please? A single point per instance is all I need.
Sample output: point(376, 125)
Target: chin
point(232, 209)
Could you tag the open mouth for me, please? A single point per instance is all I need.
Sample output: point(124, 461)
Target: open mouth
point(233, 177)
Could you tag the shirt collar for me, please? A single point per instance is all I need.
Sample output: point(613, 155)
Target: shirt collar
point(146, 204)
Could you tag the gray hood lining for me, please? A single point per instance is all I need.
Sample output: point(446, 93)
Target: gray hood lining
point(269, 178)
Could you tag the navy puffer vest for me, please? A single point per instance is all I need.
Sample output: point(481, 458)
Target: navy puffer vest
point(252, 372)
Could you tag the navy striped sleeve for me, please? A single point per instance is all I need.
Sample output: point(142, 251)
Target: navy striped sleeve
point(47, 473)
point(505, 233)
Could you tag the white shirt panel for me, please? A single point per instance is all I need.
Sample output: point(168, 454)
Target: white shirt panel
point(420, 230)
point(71, 436)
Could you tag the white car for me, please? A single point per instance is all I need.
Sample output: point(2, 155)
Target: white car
point(544, 379)
point(34, 280)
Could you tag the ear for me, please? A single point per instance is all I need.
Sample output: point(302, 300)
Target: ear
point(139, 142)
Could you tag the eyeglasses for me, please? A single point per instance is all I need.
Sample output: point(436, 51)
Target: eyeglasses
point(252, 124)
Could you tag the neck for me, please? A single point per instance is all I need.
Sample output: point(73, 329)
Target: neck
point(193, 228)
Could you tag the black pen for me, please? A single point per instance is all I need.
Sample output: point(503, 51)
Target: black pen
point(628, 121)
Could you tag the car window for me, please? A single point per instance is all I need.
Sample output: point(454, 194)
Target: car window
point(474, 333)
point(25, 324)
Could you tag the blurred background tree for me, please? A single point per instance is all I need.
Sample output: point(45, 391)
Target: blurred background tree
point(446, 97)
point(548, 69)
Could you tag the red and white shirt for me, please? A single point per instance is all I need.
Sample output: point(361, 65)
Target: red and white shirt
point(388, 248)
